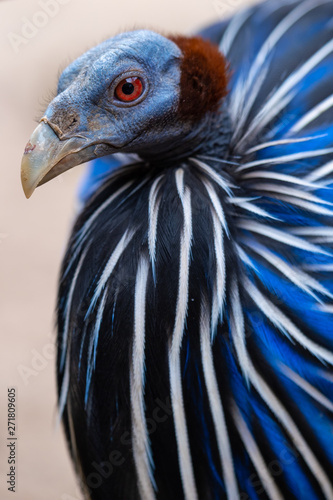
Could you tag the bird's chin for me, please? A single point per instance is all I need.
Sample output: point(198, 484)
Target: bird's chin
point(46, 156)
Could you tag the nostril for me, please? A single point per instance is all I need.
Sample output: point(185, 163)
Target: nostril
point(69, 121)
point(62, 122)
point(74, 121)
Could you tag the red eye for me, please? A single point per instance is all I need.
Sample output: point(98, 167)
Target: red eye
point(129, 89)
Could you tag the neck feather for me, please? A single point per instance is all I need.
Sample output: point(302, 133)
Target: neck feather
point(209, 136)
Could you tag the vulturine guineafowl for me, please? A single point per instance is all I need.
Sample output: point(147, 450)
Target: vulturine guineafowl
point(195, 300)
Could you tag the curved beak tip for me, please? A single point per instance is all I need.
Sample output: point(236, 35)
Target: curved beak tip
point(36, 158)
point(46, 156)
point(27, 192)
point(26, 179)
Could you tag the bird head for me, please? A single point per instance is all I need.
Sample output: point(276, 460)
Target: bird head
point(139, 92)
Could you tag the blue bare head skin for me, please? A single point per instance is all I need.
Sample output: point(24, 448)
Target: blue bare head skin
point(86, 102)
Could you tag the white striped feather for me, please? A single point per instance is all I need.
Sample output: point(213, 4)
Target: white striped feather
point(301, 279)
point(64, 386)
point(326, 268)
point(74, 451)
point(238, 102)
point(284, 324)
point(327, 375)
point(285, 93)
point(306, 205)
point(220, 282)
point(327, 183)
point(216, 406)
point(217, 160)
point(245, 258)
point(312, 115)
point(216, 204)
point(219, 225)
point(68, 306)
point(326, 239)
point(93, 342)
point(256, 457)
point(282, 142)
point(88, 225)
point(286, 190)
point(326, 308)
point(323, 240)
point(250, 207)
point(280, 236)
point(153, 208)
point(317, 234)
point(276, 176)
point(313, 231)
point(236, 99)
point(184, 454)
point(213, 174)
point(238, 329)
point(66, 340)
point(110, 265)
point(233, 29)
point(320, 172)
point(286, 420)
point(89, 222)
point(307, 387)
point(253, 83)
point(302, 155)
point(140, 439)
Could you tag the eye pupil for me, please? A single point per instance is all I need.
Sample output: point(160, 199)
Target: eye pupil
point(128, 88)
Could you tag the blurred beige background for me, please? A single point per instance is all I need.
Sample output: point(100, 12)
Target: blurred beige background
point(37, 39)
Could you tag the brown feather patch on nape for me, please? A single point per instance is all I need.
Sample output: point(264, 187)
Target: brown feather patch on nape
point(204, 77)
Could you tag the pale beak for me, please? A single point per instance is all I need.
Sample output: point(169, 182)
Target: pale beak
point(46, 156)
